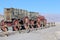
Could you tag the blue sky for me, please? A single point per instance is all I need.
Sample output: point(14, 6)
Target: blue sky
point(49, 8)
point(42, 6)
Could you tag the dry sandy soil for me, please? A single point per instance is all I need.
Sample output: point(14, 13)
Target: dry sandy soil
point(52, 33)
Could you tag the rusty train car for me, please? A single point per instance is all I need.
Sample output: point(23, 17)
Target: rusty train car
point(24, 23)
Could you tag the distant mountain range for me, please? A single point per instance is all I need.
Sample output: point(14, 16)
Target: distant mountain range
point(52, 17)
